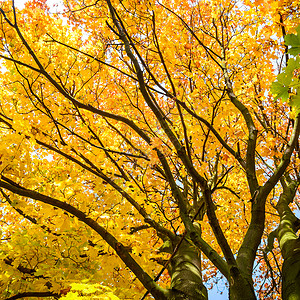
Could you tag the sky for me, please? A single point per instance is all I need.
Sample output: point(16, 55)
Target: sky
point(20, 3)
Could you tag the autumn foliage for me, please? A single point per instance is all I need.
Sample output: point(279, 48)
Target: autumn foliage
point(149, 150)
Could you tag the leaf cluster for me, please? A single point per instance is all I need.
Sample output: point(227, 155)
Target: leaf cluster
point(287, 83)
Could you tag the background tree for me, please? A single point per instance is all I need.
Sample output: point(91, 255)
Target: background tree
point(139, 134)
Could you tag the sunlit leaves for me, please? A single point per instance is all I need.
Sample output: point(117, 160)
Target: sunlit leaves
point(88, 291)
point(79, 130)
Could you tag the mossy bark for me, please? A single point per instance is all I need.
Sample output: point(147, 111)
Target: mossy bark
point(289, 244)
point(186, 277)
point(240, 288)
point(291, 275)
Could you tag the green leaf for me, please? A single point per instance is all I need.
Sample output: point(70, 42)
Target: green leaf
point(295, 83)
point(293, 63)
point(286, 83)
point(280, 91)
point(292, 40)
point(298, 30)
point(295, 102)
point(294, 51)
point(284, 78)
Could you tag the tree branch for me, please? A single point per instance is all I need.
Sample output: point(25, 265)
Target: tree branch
point(158, 292)
point(33, 294)
point(285, 160)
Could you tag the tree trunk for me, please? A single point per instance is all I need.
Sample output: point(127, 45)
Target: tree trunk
point(241, 289)
point(186, 277)
point(291, 274)
point(289, 243)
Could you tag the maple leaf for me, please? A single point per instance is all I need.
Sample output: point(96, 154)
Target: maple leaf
point(142, 152)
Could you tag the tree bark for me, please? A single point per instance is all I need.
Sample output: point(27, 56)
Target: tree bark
point(289, 244)
point(240, 288)
point(291, 274)
point(186, 275)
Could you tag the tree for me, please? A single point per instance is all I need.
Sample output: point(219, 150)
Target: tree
point(144, 151)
